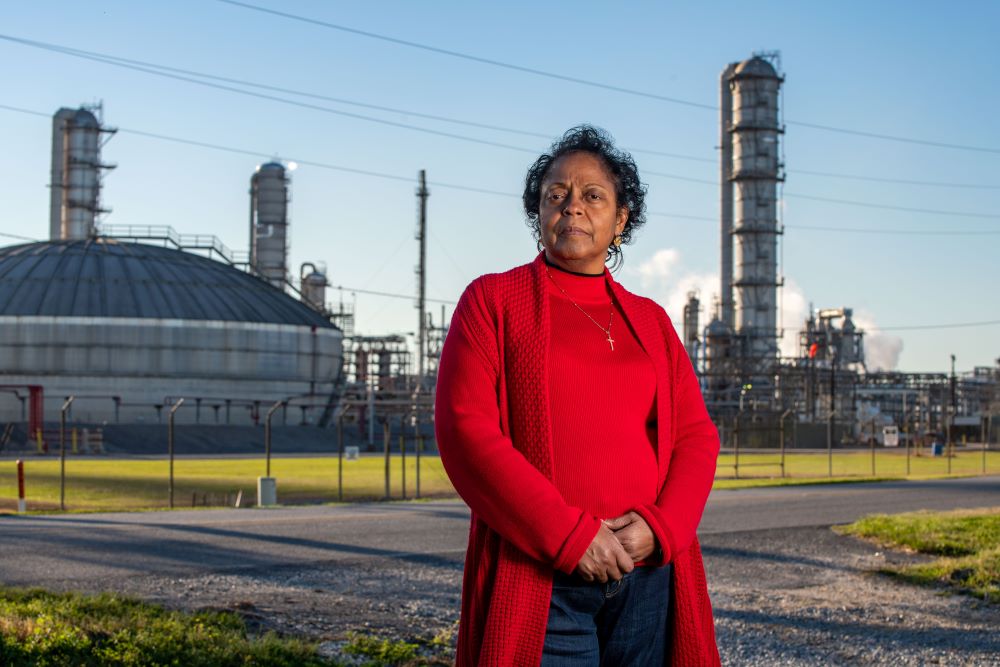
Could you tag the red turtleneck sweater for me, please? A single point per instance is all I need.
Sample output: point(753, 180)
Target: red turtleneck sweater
point(603, 401)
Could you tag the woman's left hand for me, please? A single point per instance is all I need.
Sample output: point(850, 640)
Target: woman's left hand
point(634, 534)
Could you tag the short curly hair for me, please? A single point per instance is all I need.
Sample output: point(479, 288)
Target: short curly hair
point(630, 192)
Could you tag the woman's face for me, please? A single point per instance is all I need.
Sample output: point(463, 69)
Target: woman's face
point(578, 213)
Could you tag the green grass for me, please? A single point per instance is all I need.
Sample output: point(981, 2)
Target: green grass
point(99, 484)
point(889, 464)
point(966, 541)
point(49, 629)
point(128, 484)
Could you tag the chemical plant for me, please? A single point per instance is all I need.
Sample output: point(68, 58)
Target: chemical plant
point(824, 395)
point(129, 320)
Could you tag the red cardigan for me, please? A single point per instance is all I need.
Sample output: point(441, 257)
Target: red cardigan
point(494, 434)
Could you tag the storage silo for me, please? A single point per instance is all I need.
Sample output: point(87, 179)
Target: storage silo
point(312, 285)
point(756, 172)
point(128, 328)
point(269, 223)
point(75, 184)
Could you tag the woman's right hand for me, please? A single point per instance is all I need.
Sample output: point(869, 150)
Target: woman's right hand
point(604, 559)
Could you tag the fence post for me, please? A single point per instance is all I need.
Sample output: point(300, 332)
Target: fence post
point(906, 439)
point(340, 457)
point(402, 450)
point(62, 452)
point(872, 441)
point(20, 486)
point(783, 418)
point(170, 447)
point(420, 446)
point(385, 443)
point(267, 436)
point(736, 447)
point(829, 445)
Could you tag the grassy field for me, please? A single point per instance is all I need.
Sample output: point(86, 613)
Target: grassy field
point(966, 541)
point(93, 484)
point(125, 484)
point(889, 464)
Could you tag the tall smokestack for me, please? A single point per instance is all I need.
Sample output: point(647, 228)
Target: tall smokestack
point(75, 185)
point(757, 170)
point(269, 223)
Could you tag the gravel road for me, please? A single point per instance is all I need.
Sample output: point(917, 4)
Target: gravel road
point(785, 592)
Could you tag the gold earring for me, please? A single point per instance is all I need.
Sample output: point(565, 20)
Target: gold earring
point(618, 240)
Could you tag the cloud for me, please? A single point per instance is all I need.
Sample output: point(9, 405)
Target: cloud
point(665, 280)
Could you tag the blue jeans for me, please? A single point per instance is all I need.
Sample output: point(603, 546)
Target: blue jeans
point(618, 623)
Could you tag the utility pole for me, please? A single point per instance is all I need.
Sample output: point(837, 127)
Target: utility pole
point(422, 194)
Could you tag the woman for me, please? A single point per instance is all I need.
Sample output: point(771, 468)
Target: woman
point(569, 418)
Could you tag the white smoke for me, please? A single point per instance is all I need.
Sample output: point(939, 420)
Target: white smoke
point(794, 309)
point(665, 279)
point(882, 350)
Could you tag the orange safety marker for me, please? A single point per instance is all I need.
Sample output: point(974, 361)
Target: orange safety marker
point(20, 486)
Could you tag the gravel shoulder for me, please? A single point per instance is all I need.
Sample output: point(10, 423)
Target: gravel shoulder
point(799, 596)
point(807, 596)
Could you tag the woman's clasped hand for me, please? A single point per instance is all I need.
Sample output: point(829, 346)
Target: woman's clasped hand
point(619, 544)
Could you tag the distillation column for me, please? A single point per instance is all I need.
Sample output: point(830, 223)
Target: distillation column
point(756, 172)
point(75, 185)
point(269, 223)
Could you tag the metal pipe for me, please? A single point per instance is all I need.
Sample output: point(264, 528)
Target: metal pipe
point(62, 452)
point(170, 447)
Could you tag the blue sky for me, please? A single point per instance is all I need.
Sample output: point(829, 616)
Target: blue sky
point(911, 69)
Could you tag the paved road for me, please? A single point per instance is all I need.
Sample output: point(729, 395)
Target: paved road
point(41, 550)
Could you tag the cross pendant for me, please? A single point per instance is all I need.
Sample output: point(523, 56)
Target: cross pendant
point(611, 342)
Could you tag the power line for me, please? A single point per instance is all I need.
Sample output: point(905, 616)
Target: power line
point(468, 56)
point(957, 325)
point(888, 137)
point(900, 181)
point(296, 103)
point(392, 295)
point(586, 82)
point(908, 209)
point(895, 232)
point(140, 65)
point(108, 58)
point(468, 188)
point(20, 238)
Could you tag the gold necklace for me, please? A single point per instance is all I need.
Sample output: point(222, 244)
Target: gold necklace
point(607, 332)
